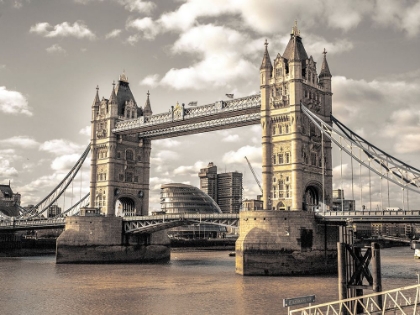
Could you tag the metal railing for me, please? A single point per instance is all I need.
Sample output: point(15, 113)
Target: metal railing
point(401, 301)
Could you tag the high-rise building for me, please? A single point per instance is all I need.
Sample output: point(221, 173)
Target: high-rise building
point(224, 188)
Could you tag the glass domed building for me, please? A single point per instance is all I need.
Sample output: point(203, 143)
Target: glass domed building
point(182, 198)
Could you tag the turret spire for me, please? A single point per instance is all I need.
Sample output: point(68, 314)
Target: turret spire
point(325, 70)
point(266, 62)
point(96, 100)
point(113, 97)
point(147, 111)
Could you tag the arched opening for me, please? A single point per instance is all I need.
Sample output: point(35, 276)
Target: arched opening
point(125, 207)
point(311, 199)
point(280, 206)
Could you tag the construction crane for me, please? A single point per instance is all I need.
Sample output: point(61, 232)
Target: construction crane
point(255, 176)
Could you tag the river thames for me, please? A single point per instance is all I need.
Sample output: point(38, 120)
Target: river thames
point(194, 282)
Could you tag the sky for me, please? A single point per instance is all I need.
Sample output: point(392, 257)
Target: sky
point(53, 54)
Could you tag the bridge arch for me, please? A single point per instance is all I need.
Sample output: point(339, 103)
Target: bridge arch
point(312, 196)
point(125, 206)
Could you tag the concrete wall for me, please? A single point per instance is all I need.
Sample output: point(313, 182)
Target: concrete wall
point(285, 243)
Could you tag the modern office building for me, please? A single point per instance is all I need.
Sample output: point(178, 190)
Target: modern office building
point(53, 211)
point(182, 198)
point(224, 188)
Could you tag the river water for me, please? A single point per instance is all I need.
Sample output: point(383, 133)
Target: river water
point(194, 282)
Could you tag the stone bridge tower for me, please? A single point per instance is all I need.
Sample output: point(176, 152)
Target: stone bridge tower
point(295, 155)
point(285, 237)
point(120, 164)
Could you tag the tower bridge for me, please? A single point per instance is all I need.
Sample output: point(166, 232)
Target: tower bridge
point(294, 108)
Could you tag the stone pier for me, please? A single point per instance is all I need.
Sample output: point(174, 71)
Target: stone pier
point(100, 239)
point(285, 243)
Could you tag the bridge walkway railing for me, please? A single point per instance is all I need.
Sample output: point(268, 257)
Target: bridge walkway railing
point(402, 301)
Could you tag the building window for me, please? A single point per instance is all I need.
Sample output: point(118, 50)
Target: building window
point(280, 129)
point(129, 177)
point(281, 189)
point(120, 177)
point(313, 158)
point(281, 158)
point(274, 159)
point(274, 130)
point(287, 191)
point(129, 155)
point(279, 72)
point(286, 129)
point(287, 157)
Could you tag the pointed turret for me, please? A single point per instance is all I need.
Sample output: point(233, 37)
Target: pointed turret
point(325, 70)
point(96, 101)
point(266, 62)
point(147, 111)
point(113, 97)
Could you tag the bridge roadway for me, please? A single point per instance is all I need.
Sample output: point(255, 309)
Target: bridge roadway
point(153, 223)
point(181, 121)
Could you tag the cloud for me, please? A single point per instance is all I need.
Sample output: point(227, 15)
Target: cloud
point(85, 131)
point(56, 49)
point(64, 162)
point(150, 80)
point(6, 170)
point(220, 64)
point(78, 30)
point(252, 153)
point(191, 170)
point(146, 26)
point(132, 39)
point(113, 33)
point(20, 141)
point(60, 147)
point(166, 143)
point(231, 138)
point(13, 102)
point(399, 15)
point(138, 5)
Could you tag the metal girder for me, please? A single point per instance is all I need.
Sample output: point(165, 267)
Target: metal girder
point(32, 224)
point(149, 224)
point(402, 216)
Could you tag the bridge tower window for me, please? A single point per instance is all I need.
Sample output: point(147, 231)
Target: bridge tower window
point(280, 158)
point(129, 155)
point(287, 157)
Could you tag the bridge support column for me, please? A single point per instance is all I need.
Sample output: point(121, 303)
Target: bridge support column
point(285, 243)
point(100, 239)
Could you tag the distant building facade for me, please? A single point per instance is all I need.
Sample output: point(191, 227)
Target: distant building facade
point(224, 188)
point(182, 198)
point(252, 204)
point(53, 211)
point(339, 203)
point(9, 201)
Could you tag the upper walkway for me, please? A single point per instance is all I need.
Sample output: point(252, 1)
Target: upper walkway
point(182, 121)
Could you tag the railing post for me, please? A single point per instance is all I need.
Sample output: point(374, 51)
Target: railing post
point(342, 274)
point(376, 272)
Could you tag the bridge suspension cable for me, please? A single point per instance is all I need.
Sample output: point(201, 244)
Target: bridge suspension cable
point(75, 209)
point(395, 171)
point(56, 193)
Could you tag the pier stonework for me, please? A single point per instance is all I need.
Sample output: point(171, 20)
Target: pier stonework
point(99, 239)
point(296, 170)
